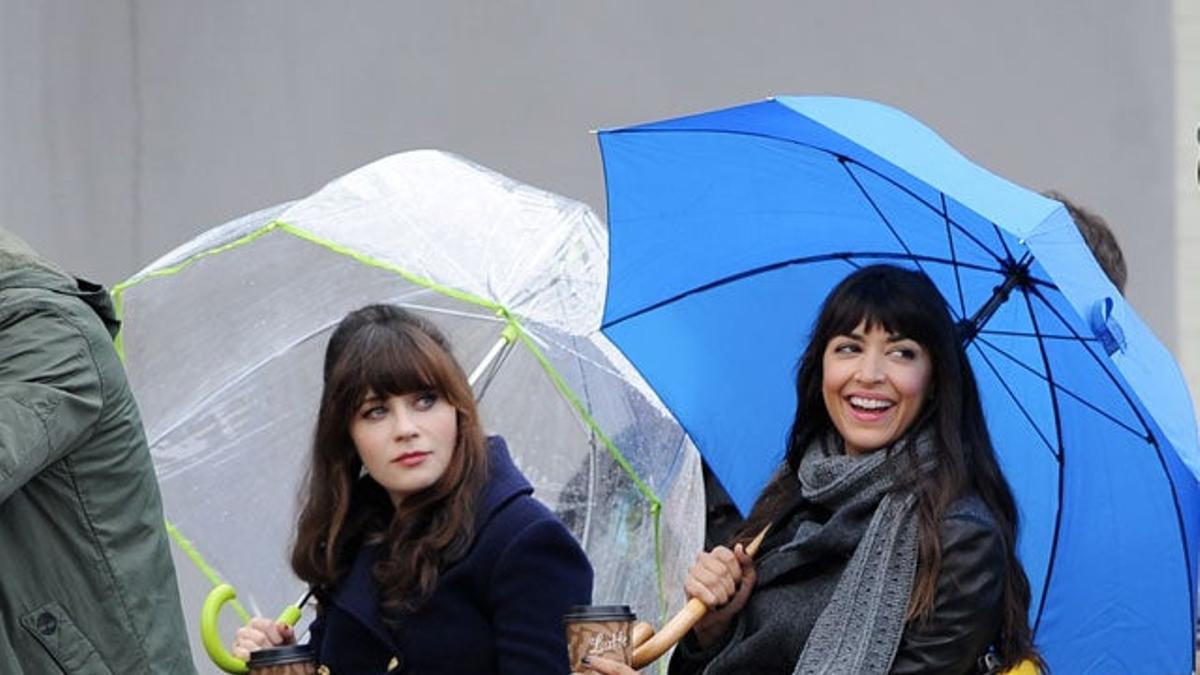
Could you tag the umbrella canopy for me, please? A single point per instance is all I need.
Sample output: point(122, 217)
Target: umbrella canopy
point(224, 337)
point(729, 228)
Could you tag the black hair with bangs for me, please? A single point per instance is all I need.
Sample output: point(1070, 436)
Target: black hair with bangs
point(904, 303)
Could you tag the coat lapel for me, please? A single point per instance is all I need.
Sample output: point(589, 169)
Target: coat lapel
point(359, 598)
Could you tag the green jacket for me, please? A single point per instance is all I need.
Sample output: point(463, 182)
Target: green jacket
point(86, 579)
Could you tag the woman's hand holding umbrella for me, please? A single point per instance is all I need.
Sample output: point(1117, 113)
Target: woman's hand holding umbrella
point(722, 579)
point(261, 633)
point(258, 633)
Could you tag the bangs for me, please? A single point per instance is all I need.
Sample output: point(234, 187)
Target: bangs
point(392, 362)
point(894, 302)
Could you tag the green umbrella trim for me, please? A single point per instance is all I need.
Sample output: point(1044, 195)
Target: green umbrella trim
point(513, 325)
point(118, 291)
point(647, 492)
point(201, 564)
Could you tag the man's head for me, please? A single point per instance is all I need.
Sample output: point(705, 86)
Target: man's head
point(1099, 238)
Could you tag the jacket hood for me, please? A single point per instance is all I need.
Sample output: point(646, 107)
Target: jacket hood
point(16, 255)
point(21, 267)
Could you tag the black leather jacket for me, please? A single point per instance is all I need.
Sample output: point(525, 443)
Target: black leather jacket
point(964, 622)
point(966, 614)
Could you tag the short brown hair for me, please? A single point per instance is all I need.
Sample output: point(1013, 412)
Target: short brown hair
point(1099, 237)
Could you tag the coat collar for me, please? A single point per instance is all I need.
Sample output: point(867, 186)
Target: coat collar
point(505, 482)
point(31, 275)
point(358, 595)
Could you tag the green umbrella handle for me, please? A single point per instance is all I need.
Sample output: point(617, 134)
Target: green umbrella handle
point(216, 599)
point(290, 615)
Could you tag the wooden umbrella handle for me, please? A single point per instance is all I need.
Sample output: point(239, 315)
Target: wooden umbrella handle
point(648, 645)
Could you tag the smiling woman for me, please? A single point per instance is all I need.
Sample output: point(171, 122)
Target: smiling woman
point(419, 537)
point(875, 383)
point(893, 532)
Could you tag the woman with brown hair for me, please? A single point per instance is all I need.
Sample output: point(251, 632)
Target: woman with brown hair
point(419, 537)
point(893, 535)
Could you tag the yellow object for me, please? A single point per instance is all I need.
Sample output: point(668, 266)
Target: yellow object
point(1023, 668)
point(216, 599)
point(211, 639)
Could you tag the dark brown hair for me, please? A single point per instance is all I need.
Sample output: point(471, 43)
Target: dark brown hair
point(1099, 238)
point(907, 303)
point(388, 351)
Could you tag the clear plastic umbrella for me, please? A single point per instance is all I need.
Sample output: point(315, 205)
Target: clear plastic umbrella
point(223, 340)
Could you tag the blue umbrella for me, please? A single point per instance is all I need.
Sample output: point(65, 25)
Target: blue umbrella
point(727, 230)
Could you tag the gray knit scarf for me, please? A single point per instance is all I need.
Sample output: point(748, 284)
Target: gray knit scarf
point(859, 631)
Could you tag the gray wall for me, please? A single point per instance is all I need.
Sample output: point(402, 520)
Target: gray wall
point(127, 127)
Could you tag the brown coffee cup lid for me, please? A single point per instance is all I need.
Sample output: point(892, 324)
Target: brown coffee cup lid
point(275, 656)
point(599, 613)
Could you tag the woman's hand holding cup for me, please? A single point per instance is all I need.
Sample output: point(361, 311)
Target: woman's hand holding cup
point(603, 666)
point(261, 633)
point(722, 579)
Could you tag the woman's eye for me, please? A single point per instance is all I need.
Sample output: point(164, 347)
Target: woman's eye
point(845, 348)
point(426, 400)
point(374, 412)
point(906, 353)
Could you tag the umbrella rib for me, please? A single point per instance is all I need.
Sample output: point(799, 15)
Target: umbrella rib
point(921, 200)
point(1017, 333)
point(1017, 401)
point(1181, 528)
point(592, 452)
point(192, 460)
point(879, 212)
point(962, 302)
point(1062, 465)
point(1059, 387)
point(484, 381)
point(1145, 433)
point(269, 358)
point(823, 257)
point(1004, 244)
point(839, 157)
point(1058, 458)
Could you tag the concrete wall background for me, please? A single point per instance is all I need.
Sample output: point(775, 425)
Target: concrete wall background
point(1187, 188)
point(127, 126)
point(130, 126)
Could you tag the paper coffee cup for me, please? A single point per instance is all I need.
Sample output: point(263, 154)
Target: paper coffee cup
point(286, 660)
point(599, 630)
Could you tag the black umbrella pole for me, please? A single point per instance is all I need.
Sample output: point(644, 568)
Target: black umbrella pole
point(1016, 274)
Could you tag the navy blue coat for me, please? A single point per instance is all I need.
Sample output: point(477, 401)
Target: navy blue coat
point(497, 610)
